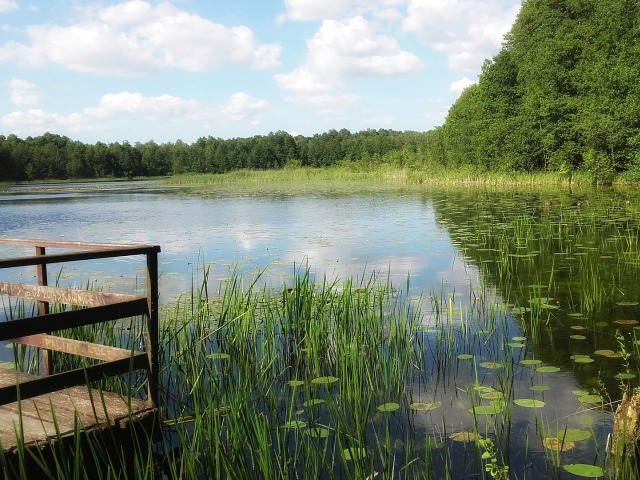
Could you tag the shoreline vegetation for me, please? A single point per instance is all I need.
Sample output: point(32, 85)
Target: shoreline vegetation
point(381, 175)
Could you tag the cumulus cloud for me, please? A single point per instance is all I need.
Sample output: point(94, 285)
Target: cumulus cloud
point(7, 6)
point(458, 86)
point(308, 10)
point(136, 37)
point(240, 106)
point(161, 109)
point(342, 50)
point(466, 31)
point(23, 92)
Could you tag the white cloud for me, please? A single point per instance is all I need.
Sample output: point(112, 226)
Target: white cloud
point(136, 37)
point(158, 110)
point(240, 106)
point(308, 10)
point(23, 92)
point(466, 31)
point(342, 50)
point(7, 6)
point(458, 86)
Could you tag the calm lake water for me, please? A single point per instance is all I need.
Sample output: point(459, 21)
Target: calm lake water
point(562, 266)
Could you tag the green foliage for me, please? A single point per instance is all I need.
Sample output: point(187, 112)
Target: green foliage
point(561, 95)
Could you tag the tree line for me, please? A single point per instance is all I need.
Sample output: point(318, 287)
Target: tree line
point(52, 156)
point(562, 95)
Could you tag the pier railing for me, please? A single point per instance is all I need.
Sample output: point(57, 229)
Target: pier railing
point(96, 307)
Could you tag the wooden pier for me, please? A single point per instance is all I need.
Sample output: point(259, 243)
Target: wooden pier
point(41, 408)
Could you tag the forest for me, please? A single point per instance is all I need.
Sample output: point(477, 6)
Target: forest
point(562, 95)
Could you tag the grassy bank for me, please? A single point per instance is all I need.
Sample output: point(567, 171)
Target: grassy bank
point(386, 174)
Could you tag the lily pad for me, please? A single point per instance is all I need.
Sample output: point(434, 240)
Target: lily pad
point(547, 369)
point(295, 383)
point(388, 407)
point(554, 443)
point(531, 361)
point(604, 352)
point(577, 337)
point(295, 424)
point(540, 388)
point(423, 407)
point(491, 365)
point(313, 402)
point(324, 380)
point(465, 356)
point(354, 453)
point(590, 399)
point(463, 437)
point(627, 304)
point(529, 403)
point(487, 409)
point(519, 339)
point(317, 432)
point(625, 376)
point(575, 435)
point(626, 322)
point(584, 470)
point(515, 345)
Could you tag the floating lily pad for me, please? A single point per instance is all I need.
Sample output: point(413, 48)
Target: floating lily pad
point(590, 399)
point(529, 403)
point(582, 359)
point(463, 437)
point(530, 361)
point(577, 327)
point(465, 356)
point(604, 353)
point(219, 356)
point(313, 402)
point(354, 453)
point(295, 424)
point(584, 470)
point(540, 388)
point(626, 322)
point(388, 407)
point(324, 380)
point(580, 393)
point(491, 365)
point(425, 406)
point(627, 304)
point(575, 435)
point(547, 369)
point(625, 376)
point(295, 383)
point(519, 310)
point(576, 314)
point(487, 409)
point(317, 432)
point(554, 443)
point(492, 395)
point(577, 337)
point(519, 339)
point(515, 345)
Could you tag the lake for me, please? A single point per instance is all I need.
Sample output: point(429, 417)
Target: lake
point(525, 303)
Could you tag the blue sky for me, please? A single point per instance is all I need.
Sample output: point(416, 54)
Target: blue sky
point(140, 70)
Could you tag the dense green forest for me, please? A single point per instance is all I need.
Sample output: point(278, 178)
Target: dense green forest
point(563, 95)
point(57, 157)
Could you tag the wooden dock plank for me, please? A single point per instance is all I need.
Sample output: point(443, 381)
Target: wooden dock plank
point(40, 415)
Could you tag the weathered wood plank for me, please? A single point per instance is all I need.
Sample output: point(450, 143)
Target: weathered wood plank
point(71, 319)
point(75, 347)
point(40, 415)
point(76, 256)
point(42, 385)
point(32, 242)
point(67, 296)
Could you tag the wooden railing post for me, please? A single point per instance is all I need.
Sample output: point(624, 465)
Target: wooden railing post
point(43, 309)
point(152, 326)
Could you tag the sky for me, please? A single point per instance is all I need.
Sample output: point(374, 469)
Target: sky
point(142, 70)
